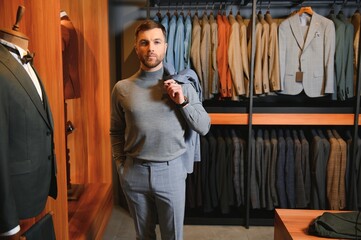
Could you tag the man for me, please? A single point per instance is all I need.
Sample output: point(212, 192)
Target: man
point(152, 122)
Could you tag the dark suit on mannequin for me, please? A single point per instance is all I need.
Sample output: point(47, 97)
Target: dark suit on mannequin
point(27, 160)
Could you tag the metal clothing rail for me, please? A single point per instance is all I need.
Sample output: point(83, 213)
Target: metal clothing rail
point(167, 4)
point(280, 3)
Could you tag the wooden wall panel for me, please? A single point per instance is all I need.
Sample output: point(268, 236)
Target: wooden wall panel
point(89, 144)
point(41, 24)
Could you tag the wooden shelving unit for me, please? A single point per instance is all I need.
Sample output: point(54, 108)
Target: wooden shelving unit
point(283, 119)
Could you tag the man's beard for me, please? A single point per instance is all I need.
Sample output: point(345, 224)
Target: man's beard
point(150, 64)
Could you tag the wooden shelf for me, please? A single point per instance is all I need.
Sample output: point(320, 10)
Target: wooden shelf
point(89, 215)
point(283, 119)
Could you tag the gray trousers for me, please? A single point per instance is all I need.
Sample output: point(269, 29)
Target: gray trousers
point(155, 192)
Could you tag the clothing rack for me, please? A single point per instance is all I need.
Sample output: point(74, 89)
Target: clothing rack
point(207, 5)
point(249, 3)
point(255, 5)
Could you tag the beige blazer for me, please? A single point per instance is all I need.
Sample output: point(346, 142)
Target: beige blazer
point(313, 55)
point(273, 55)
point(244, 51)
point(213, 81)
point(195, 47)
point(257, 82)
point(264, 46)
point(205, 53)
point(234, 59)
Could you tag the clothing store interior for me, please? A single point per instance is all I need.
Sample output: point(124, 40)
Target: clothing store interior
point(280, 81)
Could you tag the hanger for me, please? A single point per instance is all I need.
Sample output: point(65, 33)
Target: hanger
point(13, 35)
point(358, 6)
point(212, 8)
point(332, 11)
point(260, 15)
point(307, 10)
point(268, 7)
point(341, 9)
point(206, 9)
point(260, 7)
point(159, 15)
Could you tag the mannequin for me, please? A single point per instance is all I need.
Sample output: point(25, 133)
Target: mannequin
point(13, 35)
point(71, 83)
point(27, 161)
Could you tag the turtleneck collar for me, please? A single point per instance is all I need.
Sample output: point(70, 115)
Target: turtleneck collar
point(149, 76)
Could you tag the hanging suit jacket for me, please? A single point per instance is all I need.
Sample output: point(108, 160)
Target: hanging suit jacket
point(264, 51)
point(340, 59)
point(27, 160)
point(356, 22)
point(234, 59)
point(280, 170)
point(349, 36)
point(273, 55)
point(195, 47)
point(301, 201)
point(244, 51)
point(312, 55)
point(192, 138)
point(318, 170)
point(179, 45)
point(343, 165)
point(273, 167)
point(205, 53)
point(305, 164)
point(214, 80)
point(333, 173)
point(69, 40)
point(213, 161)
point(258, 55)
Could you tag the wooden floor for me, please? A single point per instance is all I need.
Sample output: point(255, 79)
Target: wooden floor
point(89, 215)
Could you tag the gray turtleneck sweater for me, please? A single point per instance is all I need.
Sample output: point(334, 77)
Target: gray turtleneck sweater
point(145, 123)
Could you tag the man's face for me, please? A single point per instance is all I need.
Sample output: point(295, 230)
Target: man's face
point(151, 47)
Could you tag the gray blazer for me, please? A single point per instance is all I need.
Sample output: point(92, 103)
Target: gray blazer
point(27, 161)
point(313, 55)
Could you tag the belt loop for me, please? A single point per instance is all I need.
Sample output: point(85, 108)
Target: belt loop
point(167, 163)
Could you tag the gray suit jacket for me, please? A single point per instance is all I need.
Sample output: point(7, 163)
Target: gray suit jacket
point(313, 55)
point(27, 161)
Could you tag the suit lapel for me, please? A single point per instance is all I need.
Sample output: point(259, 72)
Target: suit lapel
point(313, 30)
point(25, 81)
point(296, 30)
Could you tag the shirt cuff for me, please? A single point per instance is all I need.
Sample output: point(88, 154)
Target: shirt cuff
point(11, 232)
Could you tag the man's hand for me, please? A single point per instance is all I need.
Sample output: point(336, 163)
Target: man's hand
point(174, 91)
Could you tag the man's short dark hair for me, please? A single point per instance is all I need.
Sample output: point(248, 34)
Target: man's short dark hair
point(149, 25)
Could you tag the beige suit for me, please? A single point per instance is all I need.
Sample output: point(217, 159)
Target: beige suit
point(234, 59)
point(273, 55)
point(213, 81)
point(313, 55)
point(205, 53)
point(244, 51)
point(264, 44)
point(195, 47)
point(258, 56)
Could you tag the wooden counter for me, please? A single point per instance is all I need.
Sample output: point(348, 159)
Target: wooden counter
point(293, 223)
